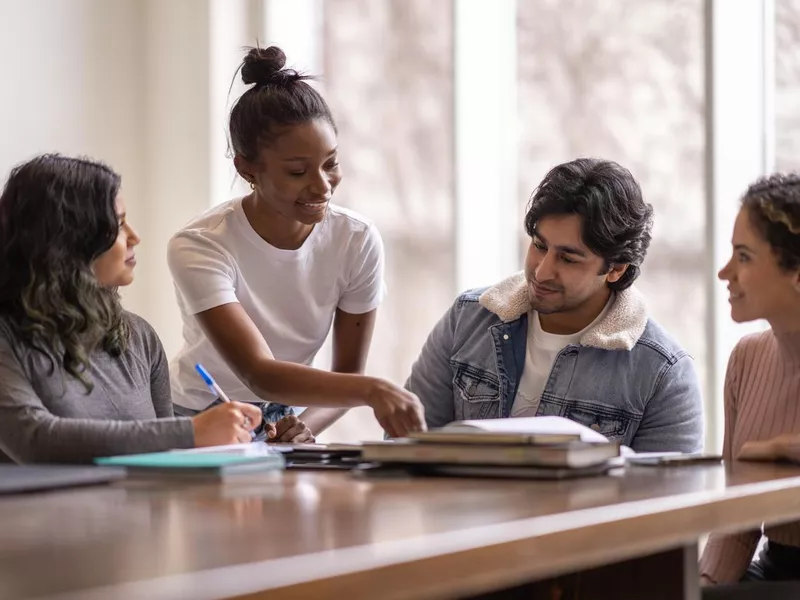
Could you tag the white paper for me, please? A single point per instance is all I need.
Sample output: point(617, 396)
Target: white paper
point(530, 426)
point(247, 449)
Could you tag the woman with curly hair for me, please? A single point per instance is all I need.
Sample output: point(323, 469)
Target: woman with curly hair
point(762, 384)
point(80, 377)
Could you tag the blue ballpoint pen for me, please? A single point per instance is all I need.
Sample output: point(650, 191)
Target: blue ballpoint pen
point(212, 385)
point(215, 389)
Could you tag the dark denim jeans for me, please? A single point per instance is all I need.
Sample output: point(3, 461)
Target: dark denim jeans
point(776, 562)
point(774, 575)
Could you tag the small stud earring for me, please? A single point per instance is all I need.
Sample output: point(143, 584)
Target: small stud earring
point(252, 186)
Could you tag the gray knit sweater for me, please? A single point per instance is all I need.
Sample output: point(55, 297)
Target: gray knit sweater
point(47, 416)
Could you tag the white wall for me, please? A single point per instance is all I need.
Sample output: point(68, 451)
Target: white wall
point(73, 81)
point(135, 84)
point(176, 148)
point(192, 48)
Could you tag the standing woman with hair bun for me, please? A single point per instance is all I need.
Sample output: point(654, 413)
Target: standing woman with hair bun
point(261, 279)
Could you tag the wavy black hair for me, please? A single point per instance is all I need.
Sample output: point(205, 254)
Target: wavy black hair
point(617, 222)
point(57, 215)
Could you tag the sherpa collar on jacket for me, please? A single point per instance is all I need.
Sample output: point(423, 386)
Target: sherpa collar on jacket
point(620, 329)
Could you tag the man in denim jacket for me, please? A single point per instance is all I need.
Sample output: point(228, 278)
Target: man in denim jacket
point(570, 336)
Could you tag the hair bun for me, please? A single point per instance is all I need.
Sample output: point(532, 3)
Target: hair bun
point(263, 65)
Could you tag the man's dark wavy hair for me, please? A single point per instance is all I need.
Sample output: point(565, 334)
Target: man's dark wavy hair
point(617, 222)
point(57, 215)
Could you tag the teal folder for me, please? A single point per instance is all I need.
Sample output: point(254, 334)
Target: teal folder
point(199, 463)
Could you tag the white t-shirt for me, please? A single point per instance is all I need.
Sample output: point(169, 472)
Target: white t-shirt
point(540, 354)
point(291, 295)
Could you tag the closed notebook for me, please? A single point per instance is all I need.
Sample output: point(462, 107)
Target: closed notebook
point(195, 464)
point(571, 454)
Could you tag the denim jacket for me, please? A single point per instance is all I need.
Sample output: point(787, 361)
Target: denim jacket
point(627, 378)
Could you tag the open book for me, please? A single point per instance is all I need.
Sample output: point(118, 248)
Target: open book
point(527, 430)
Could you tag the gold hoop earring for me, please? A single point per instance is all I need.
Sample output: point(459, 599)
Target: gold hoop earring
point(252, 186)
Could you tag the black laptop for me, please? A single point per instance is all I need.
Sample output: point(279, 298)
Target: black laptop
point(15, 479)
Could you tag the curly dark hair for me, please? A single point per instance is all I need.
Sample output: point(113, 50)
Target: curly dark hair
point(617, 222)
point(57, 215)
point(773, 204)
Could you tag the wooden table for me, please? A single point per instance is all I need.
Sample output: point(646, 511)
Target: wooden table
point(330, 535)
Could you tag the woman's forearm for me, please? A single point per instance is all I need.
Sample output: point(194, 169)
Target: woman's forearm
point(300, 385)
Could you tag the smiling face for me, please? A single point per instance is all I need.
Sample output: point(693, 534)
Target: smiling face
point(114, 268)
point(296, 175)
point(759, 288)
point(564, 276)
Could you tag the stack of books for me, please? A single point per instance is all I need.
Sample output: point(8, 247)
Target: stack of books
point(535, 448)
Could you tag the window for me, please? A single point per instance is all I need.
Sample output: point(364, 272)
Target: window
point(388, 76)
point(610, 81)
point(787, 85)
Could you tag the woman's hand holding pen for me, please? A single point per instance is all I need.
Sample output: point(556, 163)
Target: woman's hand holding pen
point(228, 423)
